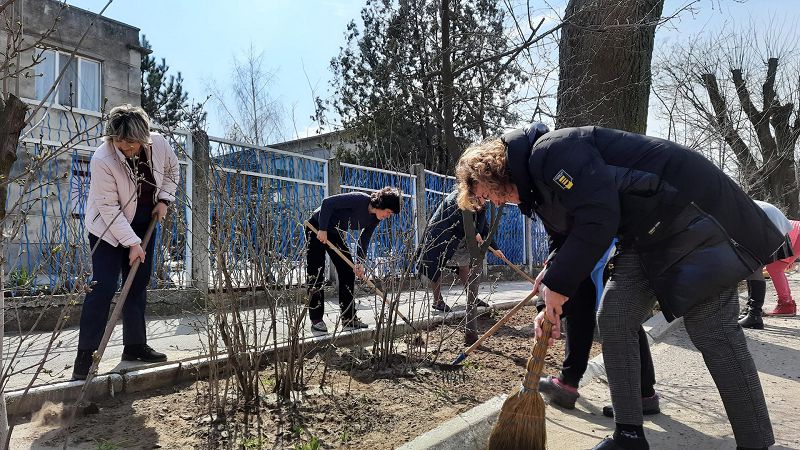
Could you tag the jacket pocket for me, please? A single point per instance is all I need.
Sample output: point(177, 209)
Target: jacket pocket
point(745, 255)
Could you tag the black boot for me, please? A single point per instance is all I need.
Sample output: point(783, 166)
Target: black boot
point(756, 292)
point(142, 352)
point(752, 320)
point(83, 362)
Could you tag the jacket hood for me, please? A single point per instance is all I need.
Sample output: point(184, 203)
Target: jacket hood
point(518, 151)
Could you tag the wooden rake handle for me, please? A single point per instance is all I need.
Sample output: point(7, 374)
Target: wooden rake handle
point(516, 268)
point(507, 316)
point(499, 323)
point(369, 283)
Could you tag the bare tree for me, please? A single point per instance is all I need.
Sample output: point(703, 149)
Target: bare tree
point(736, 98)
point(247, 108)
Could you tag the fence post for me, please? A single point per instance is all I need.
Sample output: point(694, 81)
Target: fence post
point(334, 177)
point(334, 187)
point(421, 219)
point(201, 234)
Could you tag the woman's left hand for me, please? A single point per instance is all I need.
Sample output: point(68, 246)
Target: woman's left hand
point(160, 211)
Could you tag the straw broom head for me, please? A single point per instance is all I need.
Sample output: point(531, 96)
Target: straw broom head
point(521, 423)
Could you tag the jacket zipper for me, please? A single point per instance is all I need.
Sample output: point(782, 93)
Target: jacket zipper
point(736, 245)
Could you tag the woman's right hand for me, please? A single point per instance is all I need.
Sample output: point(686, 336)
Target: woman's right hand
point(322, 236)
point(135, 252)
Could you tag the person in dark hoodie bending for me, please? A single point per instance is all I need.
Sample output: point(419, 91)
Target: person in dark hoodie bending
point(337, 214)
point(686, 238)
point(444, 244)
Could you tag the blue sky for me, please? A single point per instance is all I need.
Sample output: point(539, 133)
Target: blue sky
point(299, 37)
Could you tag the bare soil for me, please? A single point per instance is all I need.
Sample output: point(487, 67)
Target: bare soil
point(357, 407)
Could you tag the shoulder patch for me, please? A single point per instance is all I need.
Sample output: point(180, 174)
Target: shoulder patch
point(563, 179)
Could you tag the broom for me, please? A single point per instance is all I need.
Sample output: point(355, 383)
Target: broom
point(521, 423)
point(418, 341)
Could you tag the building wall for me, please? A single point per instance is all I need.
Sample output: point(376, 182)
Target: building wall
point(114, 44)
point(64, 136)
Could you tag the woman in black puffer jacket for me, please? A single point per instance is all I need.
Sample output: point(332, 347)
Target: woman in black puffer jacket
point(687, 235)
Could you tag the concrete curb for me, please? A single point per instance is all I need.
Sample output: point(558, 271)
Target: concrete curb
point(108, 385)
point(462, 431)
point(470, 430)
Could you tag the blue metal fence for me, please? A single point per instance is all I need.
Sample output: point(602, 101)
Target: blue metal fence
point(259, 199)
point(509, 236)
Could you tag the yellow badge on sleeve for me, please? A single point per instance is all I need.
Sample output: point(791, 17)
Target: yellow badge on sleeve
point(563, 179)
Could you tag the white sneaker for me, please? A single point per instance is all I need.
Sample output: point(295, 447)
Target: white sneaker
point(319, 326)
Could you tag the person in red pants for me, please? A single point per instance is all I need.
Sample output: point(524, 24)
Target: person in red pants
point(757, 286)
point(777, 272)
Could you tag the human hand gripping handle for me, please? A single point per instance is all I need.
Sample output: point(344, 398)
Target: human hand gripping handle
point(135, 253)
point(553, 303)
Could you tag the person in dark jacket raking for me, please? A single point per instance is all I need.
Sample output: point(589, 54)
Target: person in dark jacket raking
point(337, 214)
point(686, 238)
point(444, 244)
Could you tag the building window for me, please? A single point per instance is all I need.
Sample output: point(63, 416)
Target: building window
point(80, 85)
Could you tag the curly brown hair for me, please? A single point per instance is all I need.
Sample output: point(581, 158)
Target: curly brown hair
point(483, 163)
point(387, 198)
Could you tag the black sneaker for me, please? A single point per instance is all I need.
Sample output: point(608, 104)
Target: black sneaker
point(83, 362)
point(649, 407)
point(441, 306)
point(480, 303)
point(142, 352)
point(353, 324)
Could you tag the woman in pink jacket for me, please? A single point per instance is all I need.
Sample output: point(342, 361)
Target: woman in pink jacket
point(134, 176)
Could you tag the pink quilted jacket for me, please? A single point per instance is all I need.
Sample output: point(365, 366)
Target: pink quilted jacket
point(112, 199)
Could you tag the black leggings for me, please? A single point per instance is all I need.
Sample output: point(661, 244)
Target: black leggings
point(580, 316)
point(315, 272)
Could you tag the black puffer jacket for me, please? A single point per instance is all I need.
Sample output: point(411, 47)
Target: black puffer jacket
point(444, 232)
point(697, 232)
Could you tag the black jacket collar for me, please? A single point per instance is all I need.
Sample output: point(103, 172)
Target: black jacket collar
point(518, 151)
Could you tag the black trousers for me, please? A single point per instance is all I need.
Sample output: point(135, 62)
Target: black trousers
point(315, 274)
point(580, 317)
point(108, 263)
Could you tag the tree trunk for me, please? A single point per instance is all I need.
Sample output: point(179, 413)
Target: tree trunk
point(448, 91)
point(604, 60)
point(12, 121)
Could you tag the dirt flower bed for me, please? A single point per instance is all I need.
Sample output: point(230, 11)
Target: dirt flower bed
point(356, 407)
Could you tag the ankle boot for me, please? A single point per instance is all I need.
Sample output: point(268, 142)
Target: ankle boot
point(752, 320)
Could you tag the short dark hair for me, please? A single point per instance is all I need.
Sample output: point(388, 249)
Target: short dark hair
point(386, 198)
